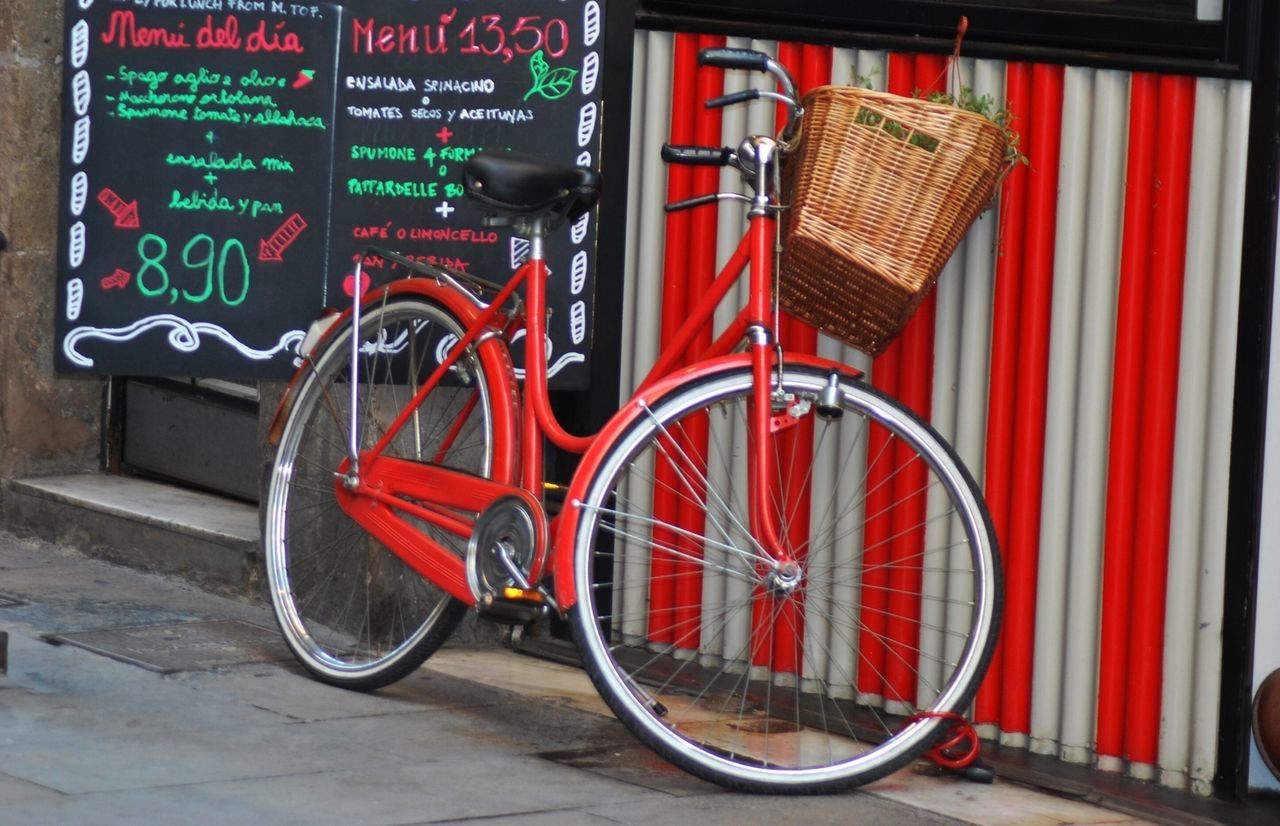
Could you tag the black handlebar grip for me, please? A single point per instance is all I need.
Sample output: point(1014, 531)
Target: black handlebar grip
point(697, 155)
point(732, 98)
point(734, 59)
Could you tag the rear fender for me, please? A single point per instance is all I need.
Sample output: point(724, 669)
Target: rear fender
point(463, 305)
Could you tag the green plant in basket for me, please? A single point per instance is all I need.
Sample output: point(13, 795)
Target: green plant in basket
point(985, 105)
point(968, 100)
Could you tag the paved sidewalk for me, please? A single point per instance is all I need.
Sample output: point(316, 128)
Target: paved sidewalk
point(194, 714)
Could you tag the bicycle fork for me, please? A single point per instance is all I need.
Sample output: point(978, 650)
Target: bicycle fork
point(766, 365)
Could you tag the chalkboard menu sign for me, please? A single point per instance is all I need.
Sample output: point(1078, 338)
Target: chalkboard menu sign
point(196, 152)
point(225, 161)
point(422, 86)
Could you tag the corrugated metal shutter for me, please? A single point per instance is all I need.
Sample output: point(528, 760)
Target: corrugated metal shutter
point(1079, 352)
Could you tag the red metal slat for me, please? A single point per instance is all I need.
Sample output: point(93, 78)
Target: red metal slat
point(929, 74)
point(1001, 413)
point(1159, 402)
point(680, 183)
point(816, 67)
point(1124, 468)
point(666, 504)
point(709, 83)
point(1022, 552)
point(701, 271)
point(879, 528)
point(810, 66)
point(910, 503)
point(915, 366)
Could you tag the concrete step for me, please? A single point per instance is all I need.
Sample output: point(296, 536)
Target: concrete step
point(203, 538)
point(207, 539)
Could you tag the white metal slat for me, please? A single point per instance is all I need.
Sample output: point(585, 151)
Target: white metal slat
point(1205, 202)
point(974, 342)
point(1064, 351)
point(829, 650)
point(651, 80)
point(1221, 393)
point(947, 360)
point(959, 399)
point(1219, 397)
point(1092, 405)
point(635, 163)
point(624, 550)
point(652, 83)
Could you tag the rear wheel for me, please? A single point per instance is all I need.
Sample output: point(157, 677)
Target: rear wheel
point(765, 678)
point(352, 612)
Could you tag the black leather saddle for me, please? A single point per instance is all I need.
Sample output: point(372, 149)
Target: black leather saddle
point(517, 186)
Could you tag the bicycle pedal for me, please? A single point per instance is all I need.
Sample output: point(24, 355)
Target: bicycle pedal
point(553, 496)
point(512, 605)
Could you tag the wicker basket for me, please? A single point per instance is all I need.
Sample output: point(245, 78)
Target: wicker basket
point(883, 188)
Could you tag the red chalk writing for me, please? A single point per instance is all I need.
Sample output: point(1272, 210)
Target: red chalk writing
point(124, 31)
point(488, 35)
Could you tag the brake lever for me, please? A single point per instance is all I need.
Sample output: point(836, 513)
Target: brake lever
point(750, 95)
point(703, 200)
point(734, 97)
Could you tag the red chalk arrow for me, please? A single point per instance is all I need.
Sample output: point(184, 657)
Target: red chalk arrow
point(117, 280)
point(271, 248)
point(126, 214)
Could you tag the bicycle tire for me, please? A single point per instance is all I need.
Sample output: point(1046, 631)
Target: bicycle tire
point(352, 612)
point(726, 673)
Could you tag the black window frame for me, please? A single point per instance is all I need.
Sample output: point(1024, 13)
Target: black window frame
point(1083, 36)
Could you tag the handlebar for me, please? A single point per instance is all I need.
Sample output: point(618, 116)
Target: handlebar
point(756, 157)
point(751, 60)
point(726, 58)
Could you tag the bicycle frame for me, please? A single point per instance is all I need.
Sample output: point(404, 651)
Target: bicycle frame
point(778, 577)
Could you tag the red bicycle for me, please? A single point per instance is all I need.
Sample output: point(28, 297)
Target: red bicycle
point(779, 578)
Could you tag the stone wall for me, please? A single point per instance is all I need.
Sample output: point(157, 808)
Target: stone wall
point(48, 423)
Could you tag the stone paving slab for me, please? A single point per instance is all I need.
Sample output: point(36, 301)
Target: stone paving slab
point(183, 646)
point(475, 735)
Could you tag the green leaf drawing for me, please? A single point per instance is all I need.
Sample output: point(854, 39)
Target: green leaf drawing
point(552, 84)
point(539, 66)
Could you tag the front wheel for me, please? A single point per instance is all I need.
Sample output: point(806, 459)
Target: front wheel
point(773, 680)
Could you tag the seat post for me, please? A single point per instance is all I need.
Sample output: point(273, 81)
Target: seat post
point(535, 229)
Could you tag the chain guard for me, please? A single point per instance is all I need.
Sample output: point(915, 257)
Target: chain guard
point(512, 527)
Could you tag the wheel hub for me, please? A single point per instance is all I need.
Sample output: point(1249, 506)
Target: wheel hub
point(784, 580)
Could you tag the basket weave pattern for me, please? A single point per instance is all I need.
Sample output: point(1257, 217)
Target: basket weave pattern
point(883, 188)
